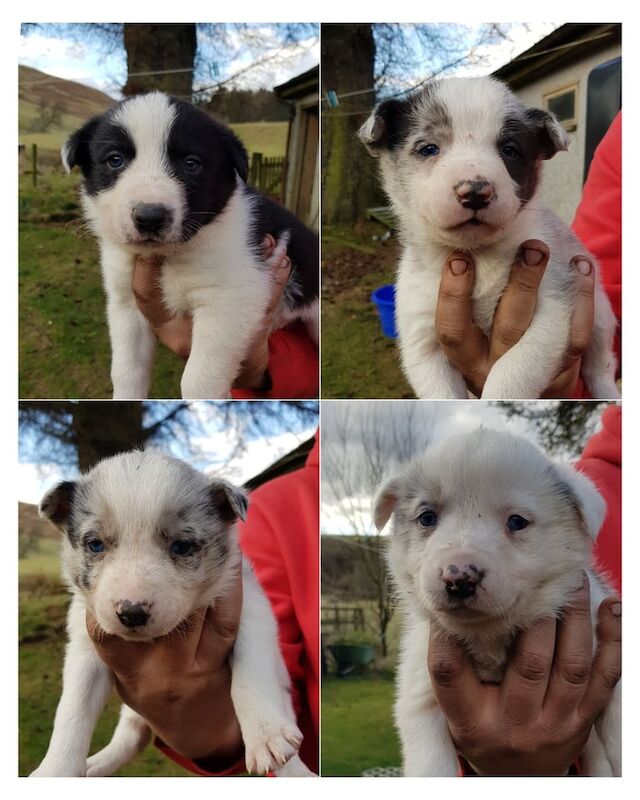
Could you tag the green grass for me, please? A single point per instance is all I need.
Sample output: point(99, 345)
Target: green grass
point(357, 725)
point(358, 361)
point(268, 138)
point(43, 606)
point(64, 345)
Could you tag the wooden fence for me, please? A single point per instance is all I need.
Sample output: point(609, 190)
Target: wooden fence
point(336, 619)
point(268, 175)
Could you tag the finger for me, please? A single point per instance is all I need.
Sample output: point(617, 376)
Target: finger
point(456, 685)
point(527, 676)
point(518, 303)
point(564, 386)
point(221, 624)
point(148, 293)
point(268, 245)
point(279, 279)
point(279, 251)
point(583, 311)
point(607, 665)
point(462, 343)
point(573, 657)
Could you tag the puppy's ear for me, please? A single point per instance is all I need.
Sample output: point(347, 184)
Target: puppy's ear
point(230, 501)
point(552, 137)
point(57, 503)
point(75, 151)
point(587, 499)
point(385, 126)
point(384, 503)
point(238, 156)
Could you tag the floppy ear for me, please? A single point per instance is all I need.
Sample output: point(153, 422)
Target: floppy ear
point(57, 503)
point(384, 127)
point(384, 503)
point(552, 137)
point(75, 151)
point(230, 501)
point(587, 499)
point(238, 156)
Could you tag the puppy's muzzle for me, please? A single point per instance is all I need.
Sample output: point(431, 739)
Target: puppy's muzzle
point(133, 615)
point(474, 194)
point(151, 217)
point(461, 581)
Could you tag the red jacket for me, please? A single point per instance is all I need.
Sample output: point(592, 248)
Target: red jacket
point(598, 220)
point(601, 460)
point(293, 367)
point(280, 538)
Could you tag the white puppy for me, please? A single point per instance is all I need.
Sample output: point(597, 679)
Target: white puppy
point(488, 536)
point(460, 160)
point(148, 541)
point(164, 180)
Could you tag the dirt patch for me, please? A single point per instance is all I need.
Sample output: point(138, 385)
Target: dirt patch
point(344, 267)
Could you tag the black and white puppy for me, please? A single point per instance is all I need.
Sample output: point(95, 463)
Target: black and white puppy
point(163, 179)
point(148, 541)
point(460, 160)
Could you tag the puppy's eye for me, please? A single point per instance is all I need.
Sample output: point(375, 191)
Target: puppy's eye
point(516, 523)
point(429, 150)
point(95, 545)
point(510, 151)
point(428, 519)
point(115, 161)
point(192, 165)
point(181, 547)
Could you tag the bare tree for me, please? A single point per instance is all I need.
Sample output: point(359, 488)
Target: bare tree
point(361, 443)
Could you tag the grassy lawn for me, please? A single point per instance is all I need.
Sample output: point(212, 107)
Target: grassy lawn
point(357, 359)
point(42, 610)
point(268, 138)
point(357, 725)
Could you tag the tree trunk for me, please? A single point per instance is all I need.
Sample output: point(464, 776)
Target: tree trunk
point(349, 182)
point(102, 429)
point(156, 47)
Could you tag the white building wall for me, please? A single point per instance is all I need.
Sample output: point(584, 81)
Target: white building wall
point(562, 176)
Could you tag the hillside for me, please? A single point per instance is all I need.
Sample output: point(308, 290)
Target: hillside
point(75, 99)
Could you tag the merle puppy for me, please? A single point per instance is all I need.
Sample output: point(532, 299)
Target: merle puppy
point(461, 160)
point(163, 179)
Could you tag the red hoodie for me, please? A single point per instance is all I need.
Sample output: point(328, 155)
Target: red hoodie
point(598, 221)
point(280, 539)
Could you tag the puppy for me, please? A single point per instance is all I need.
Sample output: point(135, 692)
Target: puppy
point(165, 181)
point(488, 536)
point(460, 160)
point(147, 541)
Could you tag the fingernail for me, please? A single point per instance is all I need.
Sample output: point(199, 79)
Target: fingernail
point(616, 609)
point(458, 266)
point(532, 258)
point(584, 267)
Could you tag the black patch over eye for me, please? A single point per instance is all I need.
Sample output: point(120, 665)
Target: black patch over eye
point(182, 547)
point(192, 165)
point(95, 545)
point(428, 519)
point(115, 161)
point(516, 523)
point(510, 151)
point(429, 150)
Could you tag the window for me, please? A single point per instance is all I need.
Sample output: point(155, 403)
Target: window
point(563, 104)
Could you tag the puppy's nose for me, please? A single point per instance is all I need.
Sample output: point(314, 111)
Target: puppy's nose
point(474, 194)
point(150, 217)
point(461, 581)
point(132, 615)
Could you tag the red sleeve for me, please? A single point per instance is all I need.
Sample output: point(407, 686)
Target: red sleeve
point(602, 462)
point(598, 220)
point(293, 367)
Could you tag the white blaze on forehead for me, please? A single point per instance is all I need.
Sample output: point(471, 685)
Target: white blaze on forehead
point(148, 120)
point(477, 107)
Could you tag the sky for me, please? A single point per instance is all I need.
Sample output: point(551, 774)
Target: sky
point(84, 63)
point(212, 449)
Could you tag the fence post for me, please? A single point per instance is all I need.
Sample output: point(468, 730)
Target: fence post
point(255, 176)
point(34, 159)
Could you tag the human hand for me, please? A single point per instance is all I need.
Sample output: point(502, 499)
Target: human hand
point(174, 330)
point(181, 683)
point(538, 720)
point(468, 349)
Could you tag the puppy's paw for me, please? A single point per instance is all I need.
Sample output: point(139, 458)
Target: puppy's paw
point(54, 769)
point(270, 746)
point(99, 765)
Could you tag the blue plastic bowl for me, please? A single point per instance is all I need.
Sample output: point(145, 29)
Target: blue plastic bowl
point(384, 299)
